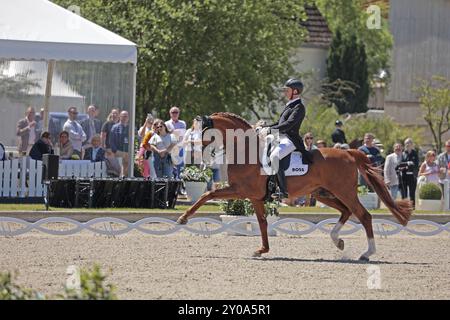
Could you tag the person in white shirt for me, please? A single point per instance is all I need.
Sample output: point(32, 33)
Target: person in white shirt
point(178, 128)
point(76, 134)
point(161, 145)
point(192, 143)
point(391, 170)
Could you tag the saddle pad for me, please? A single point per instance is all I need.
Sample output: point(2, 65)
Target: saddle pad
point(296, 167)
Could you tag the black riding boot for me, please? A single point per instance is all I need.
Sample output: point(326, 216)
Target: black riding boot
point(282, 184)
point(307, 156)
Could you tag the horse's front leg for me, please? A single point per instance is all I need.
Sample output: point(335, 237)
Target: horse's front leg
point(260, 214)
point(225, 193)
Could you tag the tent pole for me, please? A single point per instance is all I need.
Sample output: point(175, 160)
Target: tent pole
point(132, 125)
point(48, 92)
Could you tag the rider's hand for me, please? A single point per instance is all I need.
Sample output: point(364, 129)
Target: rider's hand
point(264, 131)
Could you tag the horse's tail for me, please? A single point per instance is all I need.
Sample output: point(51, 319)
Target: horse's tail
point(401, 209)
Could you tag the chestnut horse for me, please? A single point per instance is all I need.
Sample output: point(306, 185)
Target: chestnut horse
point(333, 170)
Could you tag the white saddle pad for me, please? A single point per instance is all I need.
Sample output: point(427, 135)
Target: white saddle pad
point(296, 168)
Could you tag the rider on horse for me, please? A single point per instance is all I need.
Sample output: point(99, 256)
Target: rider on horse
point(288, 126)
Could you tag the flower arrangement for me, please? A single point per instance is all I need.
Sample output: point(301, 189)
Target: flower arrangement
point(195, 174)
point(243, 207)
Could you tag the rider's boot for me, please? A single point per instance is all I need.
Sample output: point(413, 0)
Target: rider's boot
point(282, 184)
point(307, 157)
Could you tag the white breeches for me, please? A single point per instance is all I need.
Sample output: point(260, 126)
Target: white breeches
point(285, 147)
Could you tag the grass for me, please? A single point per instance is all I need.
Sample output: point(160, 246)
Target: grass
point(182, 208)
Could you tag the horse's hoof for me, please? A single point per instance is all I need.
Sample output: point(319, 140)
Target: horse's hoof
point(363, 259)
point(181, 220)
point(256, 254)
point(340, 244)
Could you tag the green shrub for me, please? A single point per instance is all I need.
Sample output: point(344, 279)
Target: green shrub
point(430, 191)
point(92, 287)
point(241, 207)
point(12, 291)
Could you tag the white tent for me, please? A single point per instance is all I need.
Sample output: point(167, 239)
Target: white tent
point(41, 30)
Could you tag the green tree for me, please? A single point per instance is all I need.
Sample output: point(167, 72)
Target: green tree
point(348, 61)
point(205, 56)
point(350, 17)
point(434, 98)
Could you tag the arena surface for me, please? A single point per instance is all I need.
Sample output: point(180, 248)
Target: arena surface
point(187, 266)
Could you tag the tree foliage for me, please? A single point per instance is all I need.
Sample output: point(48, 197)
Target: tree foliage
point(434, 98)
point(205, 56)
point(320, 120)
point(347, 61)
point(350, 17)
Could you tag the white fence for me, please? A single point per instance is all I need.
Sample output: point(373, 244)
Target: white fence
point(23, 177)
point(206, 226)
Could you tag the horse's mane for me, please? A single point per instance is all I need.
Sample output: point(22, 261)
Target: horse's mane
point(234, 117)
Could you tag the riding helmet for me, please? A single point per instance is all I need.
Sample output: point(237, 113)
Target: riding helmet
point(294, 84)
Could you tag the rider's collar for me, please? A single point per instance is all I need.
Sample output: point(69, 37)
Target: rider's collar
point(293, 100)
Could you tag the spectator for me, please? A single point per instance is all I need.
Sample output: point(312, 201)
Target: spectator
point(91, 126)
point(76, 133)
point(178, 129)
point(321, 144)
point(308, 140)
point(410, 172)
point(41, 147)
point(215, 161)
point(95, 153)
point(111, 120)
point(444, 163)
point(146, 127)
point(40, 122)
point(338, 135)
point(27, 131)
point(162, 143)
point(2, 152)
point(144, 155)
point(192, 143)
point(429, 168)
point(65, 146)
point(391, 170)
point(373, 153)
point(175, 123)
point(119, 141)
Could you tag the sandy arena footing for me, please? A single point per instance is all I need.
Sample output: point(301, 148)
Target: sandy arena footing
point(187, 266)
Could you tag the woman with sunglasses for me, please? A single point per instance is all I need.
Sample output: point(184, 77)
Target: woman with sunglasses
point(162, 143)
point(429, 168)
point(308, 140)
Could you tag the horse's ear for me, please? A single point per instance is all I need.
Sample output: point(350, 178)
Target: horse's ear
point(207, 122)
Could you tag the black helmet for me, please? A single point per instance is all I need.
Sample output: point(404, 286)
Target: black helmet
point(294, 84)
point(338, 123)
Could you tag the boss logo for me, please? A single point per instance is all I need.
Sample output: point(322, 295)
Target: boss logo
point(298, 169)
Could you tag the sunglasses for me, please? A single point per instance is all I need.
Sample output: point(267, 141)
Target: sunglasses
point(309, 138)
point(174, 112)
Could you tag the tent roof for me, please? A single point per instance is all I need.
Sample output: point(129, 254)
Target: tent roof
point(42, 30)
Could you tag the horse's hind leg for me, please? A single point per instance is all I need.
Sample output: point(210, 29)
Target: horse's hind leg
point(366, 221)
point(351, 201)
point(345, 214)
